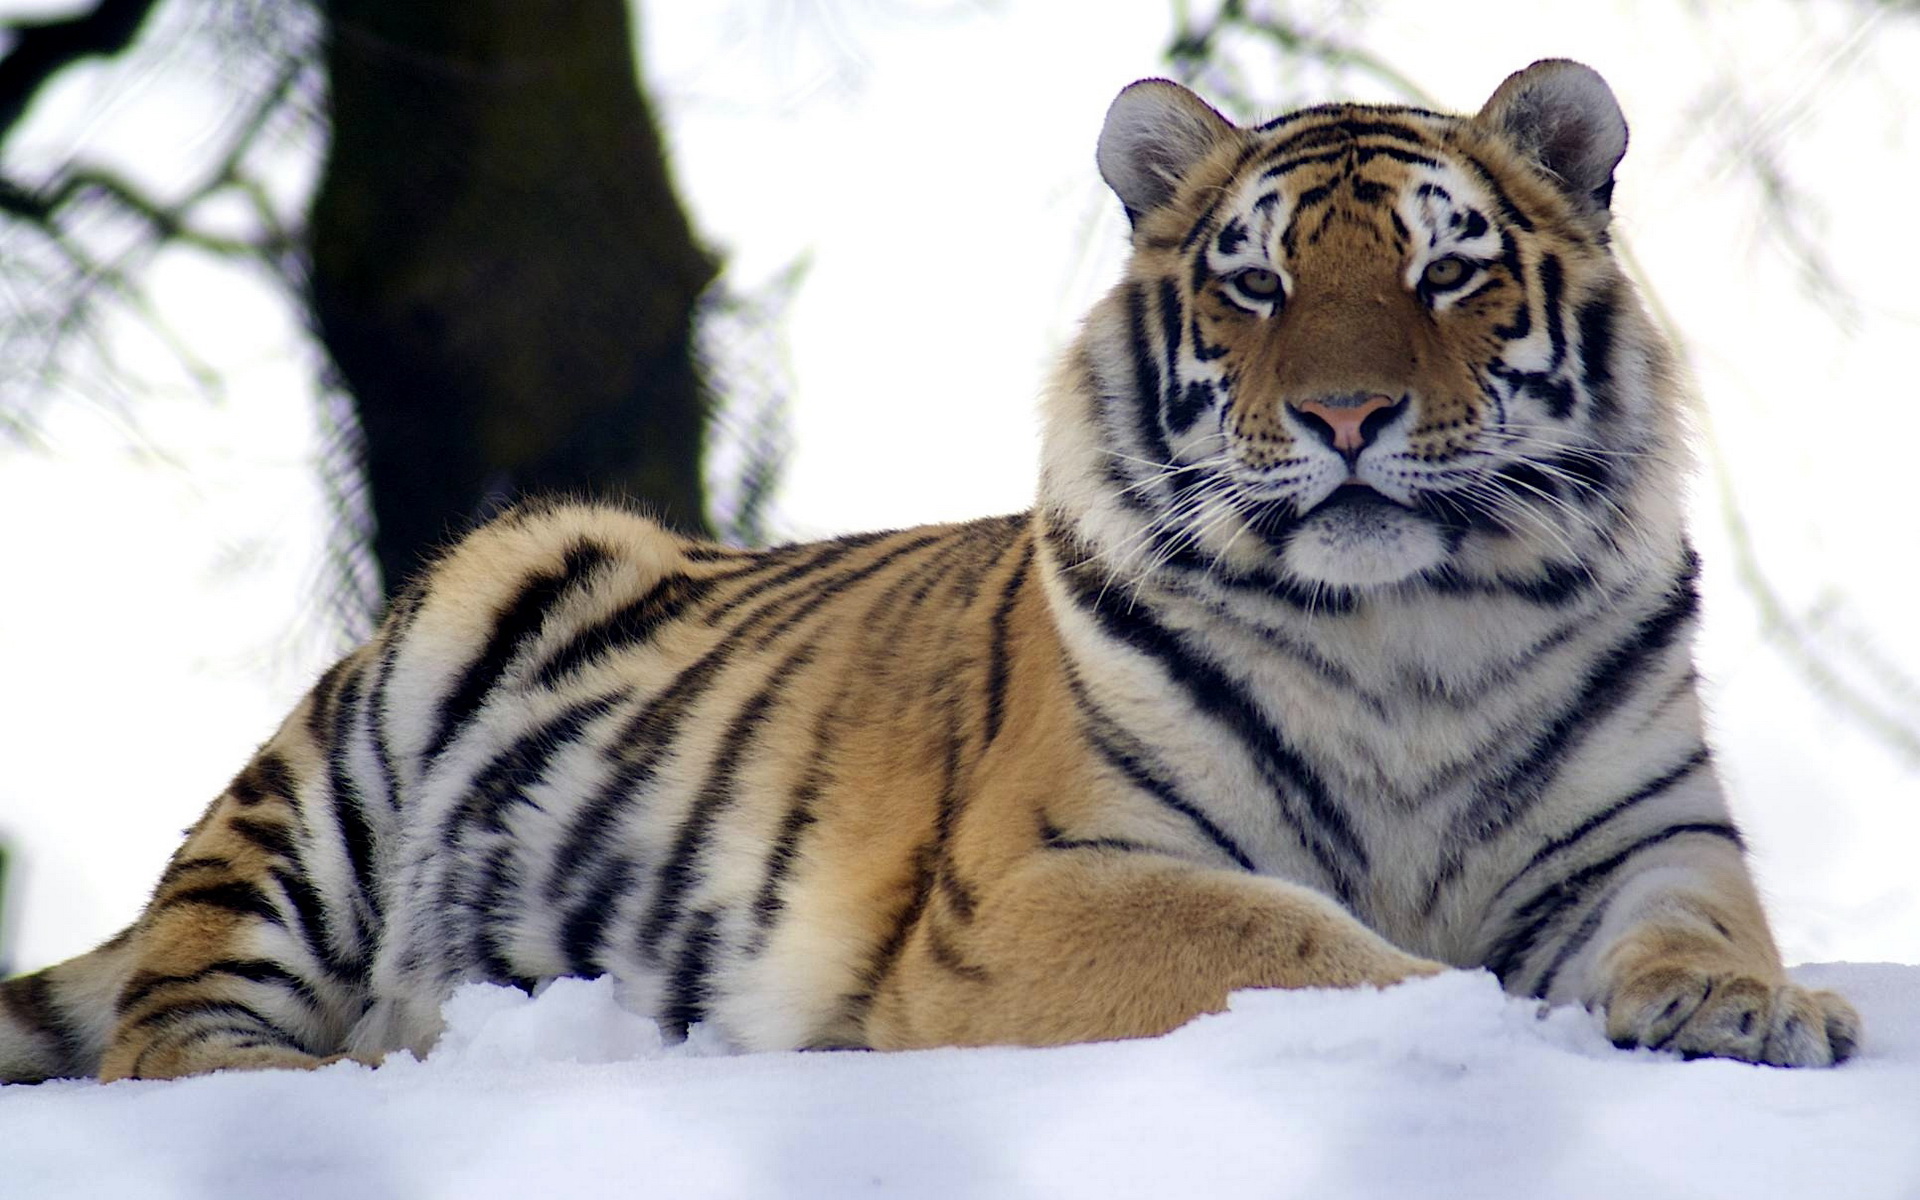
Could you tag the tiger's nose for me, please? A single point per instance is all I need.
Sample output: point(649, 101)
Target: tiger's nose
point(1348, 423)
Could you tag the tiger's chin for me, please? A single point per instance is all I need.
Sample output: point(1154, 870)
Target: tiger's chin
point(1360, 539)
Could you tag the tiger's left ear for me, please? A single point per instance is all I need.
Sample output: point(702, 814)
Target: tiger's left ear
point(1156, 131)
point(1563, 117)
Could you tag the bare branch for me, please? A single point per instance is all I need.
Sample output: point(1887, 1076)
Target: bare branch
point(44, 50)
point(1200, 55)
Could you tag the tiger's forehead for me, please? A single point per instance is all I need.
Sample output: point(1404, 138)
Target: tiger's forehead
point(1403, 172)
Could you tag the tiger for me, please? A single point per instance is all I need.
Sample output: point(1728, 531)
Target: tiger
point(1349, 641)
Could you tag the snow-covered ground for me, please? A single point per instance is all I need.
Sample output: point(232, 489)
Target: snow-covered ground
point(1443, 1088)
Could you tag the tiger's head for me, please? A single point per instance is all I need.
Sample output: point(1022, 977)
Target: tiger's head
point(1361, 347)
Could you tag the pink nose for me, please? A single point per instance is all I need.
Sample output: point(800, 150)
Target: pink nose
point(1342, 419)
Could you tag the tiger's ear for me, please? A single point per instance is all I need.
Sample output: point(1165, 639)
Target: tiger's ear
point(1563, 117)
point(1156, 131)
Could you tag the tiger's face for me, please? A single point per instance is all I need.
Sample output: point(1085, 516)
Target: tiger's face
point(1366, 344)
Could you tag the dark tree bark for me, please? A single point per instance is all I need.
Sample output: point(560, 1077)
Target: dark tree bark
point(501, 269)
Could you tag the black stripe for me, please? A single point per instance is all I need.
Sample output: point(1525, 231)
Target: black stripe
point(514, 628)
point(310, 921)
point(987, 543)
point(1374, 112)
point(1178, 409)
point(522, 766)
point(1054, 838)
point(1350, 128)
point(1608, 684)
point(997, 651)
point(1531, 919)
point(349, 812)
point(681, 869)
point(33, 1002)
point(168, 1019)
point(1067, 843)
point(320, 700)
point(686, 999)
point(275, 776)
point(1247, 154)
point(504, 782)
point(953, 799)
point(586, 924)
point(887, 954)
point(1177, 554)
point(1465, 696)
point(233, 895)
point(1146, 379)
point(1353, 155)
point(1134, 761)
point(1286, 166)
point(1640, 795)
point(1551, 283)
point(654, 730)
point(143, 984)
point(819, 596)
point(1557, 584)
point(946, 957)
point(494, 908)
point(181, 866)
point(399, 624)
point(1573, 944)
point(1508, 208)
point(768, 901)
point(1323, 829)
point(821, 556)
point(706, 552)
point(1199, 227)
point(274, 838)
point(1595, 320)
point(267, 777)
point(634, 624)
point(650, 734)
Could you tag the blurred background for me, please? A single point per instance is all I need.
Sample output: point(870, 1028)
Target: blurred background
point(289, 290)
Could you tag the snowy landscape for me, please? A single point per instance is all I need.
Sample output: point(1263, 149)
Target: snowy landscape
point(186, 551)
point(1442, 1088)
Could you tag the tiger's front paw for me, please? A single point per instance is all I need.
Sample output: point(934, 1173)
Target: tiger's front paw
point(1729, 1014)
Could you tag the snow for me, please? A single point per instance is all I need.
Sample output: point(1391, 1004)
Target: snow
point(1439, 1088)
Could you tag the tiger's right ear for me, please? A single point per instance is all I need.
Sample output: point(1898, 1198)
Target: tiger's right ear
point(1156, 131)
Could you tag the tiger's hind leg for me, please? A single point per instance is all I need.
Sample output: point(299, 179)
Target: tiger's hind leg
point(1094, 944)
point(253, 951)
point(54, 1023)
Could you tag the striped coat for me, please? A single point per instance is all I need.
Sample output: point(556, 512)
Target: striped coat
point(1349, 640)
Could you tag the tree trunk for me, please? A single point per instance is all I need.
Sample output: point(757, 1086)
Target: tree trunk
point(501, 270)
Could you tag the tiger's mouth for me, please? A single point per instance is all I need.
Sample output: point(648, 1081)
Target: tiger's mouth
point(1356, 537)
point(1357, 494)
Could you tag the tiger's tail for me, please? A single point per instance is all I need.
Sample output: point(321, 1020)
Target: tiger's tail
point(54, 1023)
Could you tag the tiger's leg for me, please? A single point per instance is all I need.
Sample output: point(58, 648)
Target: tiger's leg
point(1671, 944)
point(1096, 943)
point(252, 952)
point(54, 1023)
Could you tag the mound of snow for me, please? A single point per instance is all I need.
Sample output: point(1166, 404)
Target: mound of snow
point(1444, 1087)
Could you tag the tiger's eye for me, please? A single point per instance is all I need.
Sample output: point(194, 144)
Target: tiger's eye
point(1445, 272)
point(1257, 283)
